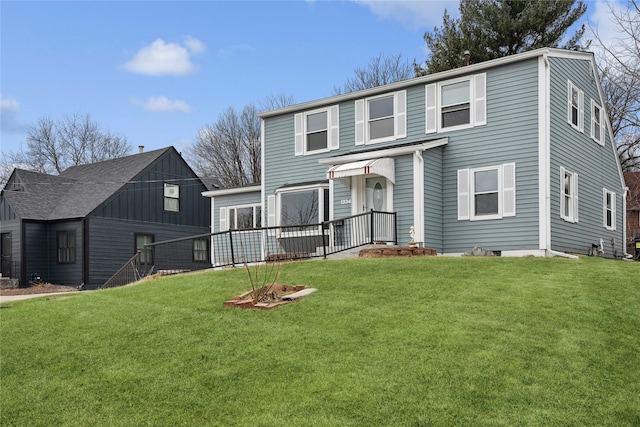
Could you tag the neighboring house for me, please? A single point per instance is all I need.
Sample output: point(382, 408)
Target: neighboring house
point(633, 209)
point(515, 155)
point(83, 225)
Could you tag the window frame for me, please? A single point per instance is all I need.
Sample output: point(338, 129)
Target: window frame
point(597, 124)
point(323, 213)
point(231, 216)
point(572, 199)
point(66, 246)
point(608, 208)
point(506, 192)
point(477, 103)
point(332, 130)
point(198, 252)
point(579, 108)
point(363, 120)
point(441, 107)
point(143, 253)
point(169, 196)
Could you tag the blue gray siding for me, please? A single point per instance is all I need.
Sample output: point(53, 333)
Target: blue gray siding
point(596, 165)
point(433, 199)
point(231, 200)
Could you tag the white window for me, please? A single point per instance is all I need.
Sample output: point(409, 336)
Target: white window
point(303, 206)
point(240, 217)
point(381, 118)
point(575, 107)
point(317, 131)
point(609, 209)
point(568, 195)
point(597, 123)
point(171, 197)
point(487, 192)
point(456, 104)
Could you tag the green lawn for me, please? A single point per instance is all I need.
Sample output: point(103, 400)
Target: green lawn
point(393, 342)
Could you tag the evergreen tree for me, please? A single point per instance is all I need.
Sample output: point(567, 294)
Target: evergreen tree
point(491, 29)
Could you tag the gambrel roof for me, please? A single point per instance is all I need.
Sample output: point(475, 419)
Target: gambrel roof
point(77, 191)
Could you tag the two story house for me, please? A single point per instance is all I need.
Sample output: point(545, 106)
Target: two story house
point(515, 155)
point(81, 226)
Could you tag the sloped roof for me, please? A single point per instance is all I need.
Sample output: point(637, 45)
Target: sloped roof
point(77, 191)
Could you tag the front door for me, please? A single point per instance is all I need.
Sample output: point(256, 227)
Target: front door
point(377, 199)
point(5, 255)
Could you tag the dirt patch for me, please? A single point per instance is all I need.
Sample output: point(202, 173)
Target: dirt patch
point(45, 288)
point(392, 251)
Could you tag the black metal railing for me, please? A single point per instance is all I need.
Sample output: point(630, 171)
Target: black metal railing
point(266, 244)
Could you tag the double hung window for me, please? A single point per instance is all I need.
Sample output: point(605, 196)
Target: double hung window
point(597, 125)
point(456, 104)
point(201, 250)
point(381, 118)
point(609, 209)
point(487, 192)
point(171, 197)
point(240, 217)
point(568, 195)
point(66, 247)
point(317, 131)
point(575, 104)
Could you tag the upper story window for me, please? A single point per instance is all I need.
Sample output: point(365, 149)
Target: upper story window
point(317, 131)
point(456, 104)
point(381, 118)
point(487, 192)
point(568, 195)
point(240, 217)
point(575, 104)
point(171, 197)
point(609, 209)
point(597, 123)
point(66, 247)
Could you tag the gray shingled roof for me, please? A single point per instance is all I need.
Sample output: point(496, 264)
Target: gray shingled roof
point(77, 191)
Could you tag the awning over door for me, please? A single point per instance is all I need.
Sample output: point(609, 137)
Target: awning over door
point(383, 167)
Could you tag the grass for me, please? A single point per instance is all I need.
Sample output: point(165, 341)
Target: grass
point(393, 342)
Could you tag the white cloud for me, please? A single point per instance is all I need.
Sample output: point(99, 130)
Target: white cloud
point(8, 104)
point(603, 24)
point(161, 104)
point(414, 14)
point(162, 58)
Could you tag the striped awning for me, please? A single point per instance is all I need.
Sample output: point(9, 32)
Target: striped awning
point(379, 167)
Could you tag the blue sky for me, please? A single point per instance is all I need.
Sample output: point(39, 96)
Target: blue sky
point(157, 71)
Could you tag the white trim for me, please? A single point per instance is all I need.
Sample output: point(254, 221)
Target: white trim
point(472, 193)
point(399, 117)
point(544, 153)
point(332, 130)
point(418, 196)
point(387, 152)
point(264, 218)
point(605, 192)
point(592, 122)
point(573, 196)
point(228, 191)
point(469, 79)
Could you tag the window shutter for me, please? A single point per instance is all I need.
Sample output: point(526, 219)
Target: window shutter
point(581, 112)
point(431, 108)
point(593, 120)
point(569, 105)
point(480, 99)
point(463, 194)
point(223, 219)
point(271, 207)
point(575, 197)
point(299, 134)
point(401, 114)
point(334, 128)
point(359, 106)
point(509, 189)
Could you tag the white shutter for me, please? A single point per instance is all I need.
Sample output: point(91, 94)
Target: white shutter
point(509, 189)
point(271, 207)
point(480, 99)
point(359, 106)
point(334, 128)
point(431, 115)
point(401, 113)
point(299, 134)
point(569, 102)
point(223, 219)
point(463, 194)
point(575, 197)
point(581, 112)
point(593, 121)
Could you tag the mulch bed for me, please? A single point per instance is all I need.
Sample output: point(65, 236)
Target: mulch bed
point(45, 288)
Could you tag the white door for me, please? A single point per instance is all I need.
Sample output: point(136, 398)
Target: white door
point(377, 199)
